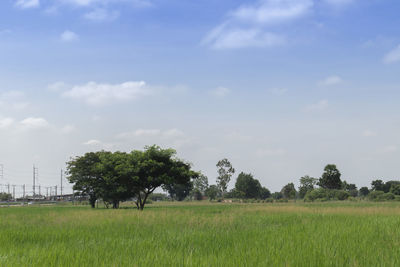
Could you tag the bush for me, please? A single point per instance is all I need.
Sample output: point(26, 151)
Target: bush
point(381, 196)
point(322, 194)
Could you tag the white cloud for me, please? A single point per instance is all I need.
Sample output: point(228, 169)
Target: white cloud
point(98, 94)
point(222, 38)
point(368, 133)
point(248, 25)
point(6, 122)
point(57, 86)
point(393, 56)
point(321, 105)
point(34, 123)
point(272, 11)
point(92, 142)
point(331, 80)
point(13, 100)
point(278, 91)
point(220, 91)
point(27, 3)
point(101, 14)
point(69, 36)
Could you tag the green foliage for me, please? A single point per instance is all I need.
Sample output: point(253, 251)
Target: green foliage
point(322, 194)
point(225, 172)
point(5, 196)
point(201, 183)
point(117, 176)
point(179, 191)
point(277, 195)
point(381, 196)
point(330, 179)
point(247, 187)
point(212, 192)
point(307, 184)
point(364, 191)
point(289, 191)
point(265, 193)
point(395, 189)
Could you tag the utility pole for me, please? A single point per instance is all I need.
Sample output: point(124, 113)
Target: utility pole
point(47, 192)
point(56, 192)
point(35, 179)
point(8, 186)
point(13, 192)
point(39, 191)
point(23, 190)
point(61, 183)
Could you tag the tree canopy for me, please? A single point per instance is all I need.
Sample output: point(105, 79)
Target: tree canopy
point(330, 179)
point(118, 176)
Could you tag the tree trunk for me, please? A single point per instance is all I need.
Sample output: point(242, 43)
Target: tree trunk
point(92, 201)
point(115, 205)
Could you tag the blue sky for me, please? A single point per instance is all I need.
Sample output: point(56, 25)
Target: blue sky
point(279, 87)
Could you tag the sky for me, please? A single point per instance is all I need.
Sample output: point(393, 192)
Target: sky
point(279, 87)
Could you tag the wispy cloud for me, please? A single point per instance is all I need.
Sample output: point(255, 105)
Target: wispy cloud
point(393, 56)
point(101, 14)
point(320, 105)
point(24, 4)
point(249, 25)
point(69, 36)
point(99, 94)
point(330, 81)
point(34, 123)
point(220, 91)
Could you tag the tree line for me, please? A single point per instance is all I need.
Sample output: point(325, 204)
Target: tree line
point(114, 177)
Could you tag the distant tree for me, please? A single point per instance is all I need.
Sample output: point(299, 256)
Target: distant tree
point(225, 172)
point(212, 192)
point(265, 193)
point(289, 191)
point(330, 178)
point(307, 184)
point(395, 189)
point(389, 185)
point(378, 185)
point(350, 188)
point(277, 195)
point(179, 191)
point(247, 186)
point(5, 197)
point(364, 191)
point(200, 185)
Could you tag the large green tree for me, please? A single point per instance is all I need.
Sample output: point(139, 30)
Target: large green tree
point(330, 179)
point(84, 173)
point(115, 177)
point(247, 187)
point(307, 184)
point(289, 191)
point(225, 172)
point(155, 167)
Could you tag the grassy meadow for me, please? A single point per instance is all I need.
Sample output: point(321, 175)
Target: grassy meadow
point(203, 234)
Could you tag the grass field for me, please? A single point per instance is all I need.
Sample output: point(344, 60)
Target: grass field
point(203, 234)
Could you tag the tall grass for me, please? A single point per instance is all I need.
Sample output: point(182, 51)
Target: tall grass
point(359, 234)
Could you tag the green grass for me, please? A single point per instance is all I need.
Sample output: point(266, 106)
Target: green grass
point(293, 234)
